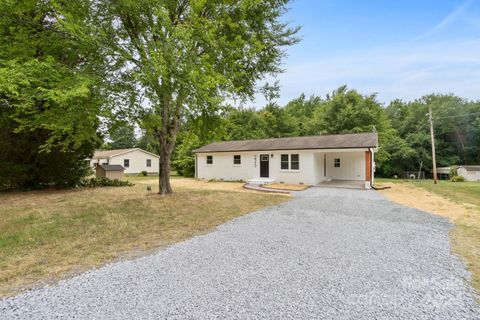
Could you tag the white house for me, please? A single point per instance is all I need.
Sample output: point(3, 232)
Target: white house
point(134, 160)
point(469, 173)
point(308, 160)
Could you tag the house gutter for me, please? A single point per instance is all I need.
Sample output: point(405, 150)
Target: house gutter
point(371, 173)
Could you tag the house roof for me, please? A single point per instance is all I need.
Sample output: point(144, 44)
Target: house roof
point(337, 141)
point(112, 167)
point(105, 154)
point(471, 168)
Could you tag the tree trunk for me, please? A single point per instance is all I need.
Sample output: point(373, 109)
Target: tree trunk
point(164, 171)
point(167, 137)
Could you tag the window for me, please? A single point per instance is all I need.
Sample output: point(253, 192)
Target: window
point(284, 162)
point(209, 159)
point(126, 163)
point(237, 159)
point(294, 162)
point(336, 162)
point(149, 162)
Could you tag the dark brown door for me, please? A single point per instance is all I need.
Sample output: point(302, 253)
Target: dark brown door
point(264, 165)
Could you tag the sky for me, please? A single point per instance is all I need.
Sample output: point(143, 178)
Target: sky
point(395, 49)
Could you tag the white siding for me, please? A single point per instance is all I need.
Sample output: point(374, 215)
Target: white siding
point(223, 167)
point(352, 166)
point(311, 170)
point(469, 175)
point(138, 162)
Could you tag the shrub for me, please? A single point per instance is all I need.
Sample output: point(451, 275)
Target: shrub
point(104, 182)
point(143, 173)
point(453, 171)
point(457, 179)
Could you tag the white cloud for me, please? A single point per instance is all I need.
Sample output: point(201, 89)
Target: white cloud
point(406, 71)
point(450, 19)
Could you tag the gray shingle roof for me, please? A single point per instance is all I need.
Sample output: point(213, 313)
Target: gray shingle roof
point(112, 167)
point(105, 154)
point(471, 168)
point(340, 141)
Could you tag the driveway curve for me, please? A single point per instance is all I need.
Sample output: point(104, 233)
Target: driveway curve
point(326, 254)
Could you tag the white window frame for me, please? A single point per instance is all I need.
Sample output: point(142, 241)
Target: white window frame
point(240, 158)
point(148, 163)
point(298, 162)
point(335, 162)
point(206, 160)
point(289, 162)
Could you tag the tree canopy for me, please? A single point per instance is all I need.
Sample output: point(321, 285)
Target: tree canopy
point(181, 58)
point(402, 127)
point(49, 98)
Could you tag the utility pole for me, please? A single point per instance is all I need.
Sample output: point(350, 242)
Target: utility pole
point(433, 145)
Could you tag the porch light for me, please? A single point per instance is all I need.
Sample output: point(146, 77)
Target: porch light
point(271, 156)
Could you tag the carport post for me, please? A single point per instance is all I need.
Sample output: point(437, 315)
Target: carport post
point(368, 169)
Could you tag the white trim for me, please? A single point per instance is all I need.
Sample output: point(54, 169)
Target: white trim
point(125, 152)
point(291, 150)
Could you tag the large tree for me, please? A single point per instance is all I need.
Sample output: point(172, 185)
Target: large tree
point(49, 98)
point(183, 57)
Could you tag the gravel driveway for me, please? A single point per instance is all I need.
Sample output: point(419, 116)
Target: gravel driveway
point(327, 254)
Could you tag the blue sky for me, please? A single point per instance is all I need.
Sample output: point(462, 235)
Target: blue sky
point(397, 49)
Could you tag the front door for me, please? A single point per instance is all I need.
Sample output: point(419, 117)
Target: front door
point(264, 170)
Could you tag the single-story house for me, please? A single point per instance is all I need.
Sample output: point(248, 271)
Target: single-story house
point(110, 171)
point(443, 173)
point(309, 160)
point(134, 160)
point(469, 173)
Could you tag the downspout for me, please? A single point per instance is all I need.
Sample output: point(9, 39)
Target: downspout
point(371, 173)
point(196, 171)
point(371, 168)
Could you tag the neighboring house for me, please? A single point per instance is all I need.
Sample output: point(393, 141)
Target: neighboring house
point(309, 160)
point(443, 173)
point(469, 173)
point(110, 171)
point(134, 160)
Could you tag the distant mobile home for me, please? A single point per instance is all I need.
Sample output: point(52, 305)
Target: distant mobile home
point(308, 160)
point(134, 160)
point(469, 173)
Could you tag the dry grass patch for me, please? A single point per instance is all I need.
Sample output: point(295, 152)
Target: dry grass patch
point(47, 235)
point(459, 206)
point(286, 186)
point(188, 183)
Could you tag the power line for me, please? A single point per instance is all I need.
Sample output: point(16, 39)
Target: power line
point(416, 131)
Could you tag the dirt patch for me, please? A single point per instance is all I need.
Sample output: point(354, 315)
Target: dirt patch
point(186, 183)
point(414, 197)
point(285, 186)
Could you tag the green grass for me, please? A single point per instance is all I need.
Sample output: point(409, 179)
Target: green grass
point(460, 192)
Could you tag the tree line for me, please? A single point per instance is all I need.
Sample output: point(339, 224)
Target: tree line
point(81, 74)
point(403, 130)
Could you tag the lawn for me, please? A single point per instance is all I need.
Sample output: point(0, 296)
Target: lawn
point(458, 201)
point(47, 235)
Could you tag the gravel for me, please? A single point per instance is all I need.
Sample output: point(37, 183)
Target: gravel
point(326, 254)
